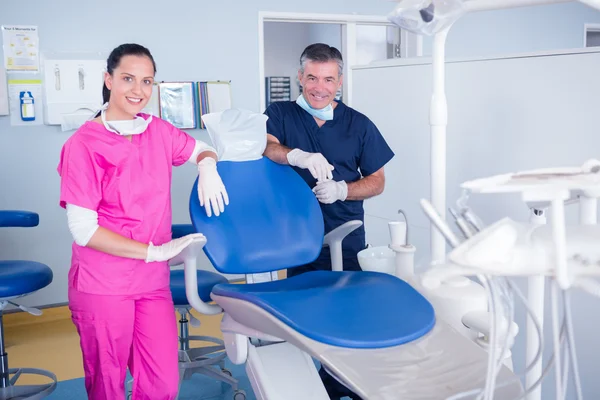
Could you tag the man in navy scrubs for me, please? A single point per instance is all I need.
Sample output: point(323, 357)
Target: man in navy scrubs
point(338, 151)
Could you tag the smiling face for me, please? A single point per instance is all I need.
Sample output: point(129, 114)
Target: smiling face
point(320, 82)
point(130, 87)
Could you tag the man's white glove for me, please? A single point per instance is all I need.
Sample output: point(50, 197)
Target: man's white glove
point(314, 162)
point(166, 251)
point(331, 191)
point(211, 190)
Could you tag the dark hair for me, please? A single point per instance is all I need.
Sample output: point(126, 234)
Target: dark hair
point(321, 52)
point(114, 59)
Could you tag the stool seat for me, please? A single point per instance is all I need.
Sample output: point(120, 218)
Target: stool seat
point(18, 218)
point(18, 277)
point(206, 281)
point(180, 230)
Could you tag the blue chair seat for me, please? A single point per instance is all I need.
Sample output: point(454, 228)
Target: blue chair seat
point(346, 309)
point(18, 277)
point(206, 281)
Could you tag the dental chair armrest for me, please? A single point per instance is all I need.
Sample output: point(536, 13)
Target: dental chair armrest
point(334, 240)
point(189, 258)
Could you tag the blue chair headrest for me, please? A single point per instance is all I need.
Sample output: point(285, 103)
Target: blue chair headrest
point(273, 220)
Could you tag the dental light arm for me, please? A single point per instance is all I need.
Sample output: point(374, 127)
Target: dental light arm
point(485, 5)
point(430, 17)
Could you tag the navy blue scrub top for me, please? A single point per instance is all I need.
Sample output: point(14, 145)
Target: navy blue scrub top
point(350, 142)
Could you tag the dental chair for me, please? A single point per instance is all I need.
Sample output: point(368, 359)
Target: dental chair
point(202, 360)
point(19, 278)
point(373, 332)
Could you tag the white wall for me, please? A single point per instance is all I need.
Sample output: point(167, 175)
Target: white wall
point(330, 34)
point(371, 43)
point(518, 30)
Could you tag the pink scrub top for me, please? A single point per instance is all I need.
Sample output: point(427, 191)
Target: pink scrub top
point(128, 183)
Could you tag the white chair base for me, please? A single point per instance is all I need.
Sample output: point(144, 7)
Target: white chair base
point(282, 371)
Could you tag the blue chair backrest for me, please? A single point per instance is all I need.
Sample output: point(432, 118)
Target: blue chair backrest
point(273, 220)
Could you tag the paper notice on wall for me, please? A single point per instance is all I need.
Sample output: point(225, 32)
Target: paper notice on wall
point(219, 96)
point(21, 48)
point(25, 99)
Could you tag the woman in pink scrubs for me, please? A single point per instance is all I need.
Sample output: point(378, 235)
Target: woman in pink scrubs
point(116, 175)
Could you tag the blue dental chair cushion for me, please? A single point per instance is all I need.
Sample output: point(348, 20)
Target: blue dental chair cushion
point(273, 220)
point(206, 281)
point(18, 277)
point(346, 309)
point(17, 218)
point(180, 230)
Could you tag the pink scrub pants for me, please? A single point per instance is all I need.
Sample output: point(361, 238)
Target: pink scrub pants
point(135, 331)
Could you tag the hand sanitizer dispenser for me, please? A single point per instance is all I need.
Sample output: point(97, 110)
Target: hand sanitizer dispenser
point(27, 106)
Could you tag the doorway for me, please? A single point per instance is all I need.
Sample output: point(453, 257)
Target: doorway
point(360, 39)
point(283, 44)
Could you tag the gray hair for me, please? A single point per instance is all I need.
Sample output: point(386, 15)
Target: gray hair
point(321, 52)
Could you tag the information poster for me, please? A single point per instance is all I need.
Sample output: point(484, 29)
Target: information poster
point(26, 107)
point(21, 48)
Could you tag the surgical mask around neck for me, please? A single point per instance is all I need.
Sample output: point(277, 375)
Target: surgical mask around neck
point(126, 127)
point(324, 114)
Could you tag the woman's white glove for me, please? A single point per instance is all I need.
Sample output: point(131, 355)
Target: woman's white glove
point(211, 190)
point(166, 251)
point(316, 163)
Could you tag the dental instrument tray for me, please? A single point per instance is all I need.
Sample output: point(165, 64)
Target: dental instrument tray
point(585, 178)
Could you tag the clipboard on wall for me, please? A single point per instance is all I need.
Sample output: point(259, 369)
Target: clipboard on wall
point(213, 96)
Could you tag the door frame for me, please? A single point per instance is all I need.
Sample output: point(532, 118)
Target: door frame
point(411, 45)
point(589, 28)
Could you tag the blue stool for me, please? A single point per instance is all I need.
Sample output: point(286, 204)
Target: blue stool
point(17, 279)
point(201, 360)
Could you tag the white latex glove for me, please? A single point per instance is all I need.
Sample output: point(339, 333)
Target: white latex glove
point(166, 251)
point(314, 162)
point(211, 190)
point(331, 191)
